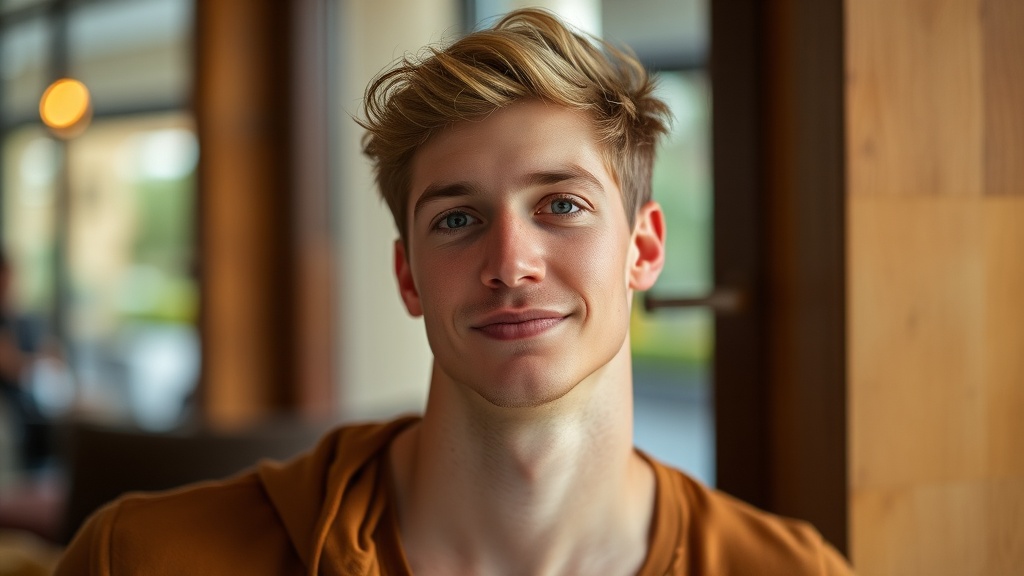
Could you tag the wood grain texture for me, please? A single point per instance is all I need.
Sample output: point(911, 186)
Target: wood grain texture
point(951, 528)
point(935, 269)
point(1003, 349)
point(916, 346)
point(936, 384)
point(914, 70)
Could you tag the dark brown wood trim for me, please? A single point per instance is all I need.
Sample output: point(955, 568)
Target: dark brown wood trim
point(779, 170)
point(741, 420)
point(1002, 21)
point(805, 184)
point(266, 266)
point(242, 107)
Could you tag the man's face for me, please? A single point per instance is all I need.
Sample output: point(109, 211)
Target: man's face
point(520, 257)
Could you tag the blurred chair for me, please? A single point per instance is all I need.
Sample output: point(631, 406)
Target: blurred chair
point(106, 462)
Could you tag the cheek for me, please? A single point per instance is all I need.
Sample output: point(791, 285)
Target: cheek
point(438, 281)
point(597, 268)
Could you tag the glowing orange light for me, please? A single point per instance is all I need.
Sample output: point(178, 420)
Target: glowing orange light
point(65, 104)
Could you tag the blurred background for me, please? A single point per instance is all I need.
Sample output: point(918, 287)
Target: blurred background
point(154, 288)
point(195, 268)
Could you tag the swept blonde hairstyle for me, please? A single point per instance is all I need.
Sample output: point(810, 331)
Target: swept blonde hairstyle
point(529, 53)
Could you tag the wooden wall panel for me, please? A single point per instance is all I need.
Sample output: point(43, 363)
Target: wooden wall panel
point(1003, 349)
point(914, 73)
point(916, 327)
point(953, 528)
point(936, 384)
point(935, 274)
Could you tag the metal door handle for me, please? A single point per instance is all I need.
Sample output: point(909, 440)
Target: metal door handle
point(721, 300)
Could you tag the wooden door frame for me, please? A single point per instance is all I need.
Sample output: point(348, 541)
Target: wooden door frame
point(779, 176)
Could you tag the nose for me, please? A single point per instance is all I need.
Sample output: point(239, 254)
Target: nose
point(513, 253)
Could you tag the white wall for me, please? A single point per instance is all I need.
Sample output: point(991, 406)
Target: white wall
point(383, 357)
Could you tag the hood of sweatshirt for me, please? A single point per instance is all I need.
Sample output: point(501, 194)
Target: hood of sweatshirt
point(331, 506)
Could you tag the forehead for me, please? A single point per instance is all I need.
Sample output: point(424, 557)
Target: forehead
point(506, 147)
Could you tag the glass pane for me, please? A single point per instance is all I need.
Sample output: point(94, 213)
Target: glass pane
point(12, 5)
point(134, 300)
point(132, 54)
point(31, 176)
point(664, 34)
point(24, 68)
point(672, 349)
point(31, 167)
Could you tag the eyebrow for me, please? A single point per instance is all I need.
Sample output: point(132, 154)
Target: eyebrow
point(438, 191)
point(570, 173)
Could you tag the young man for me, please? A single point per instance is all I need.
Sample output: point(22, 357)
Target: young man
point(517, 164)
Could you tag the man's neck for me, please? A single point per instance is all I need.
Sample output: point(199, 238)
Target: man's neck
point(556, 489)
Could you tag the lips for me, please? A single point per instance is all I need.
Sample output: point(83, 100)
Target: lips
point(514, 325)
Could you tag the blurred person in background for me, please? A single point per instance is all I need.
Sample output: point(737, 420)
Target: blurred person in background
point(27, 425)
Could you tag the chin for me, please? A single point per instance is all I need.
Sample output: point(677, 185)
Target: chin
point(527, 387)
point(517, 397)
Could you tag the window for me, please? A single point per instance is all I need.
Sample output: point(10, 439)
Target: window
point(672, 348)
point(99, 227)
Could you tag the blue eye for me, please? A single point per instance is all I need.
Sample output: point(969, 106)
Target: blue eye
point(563, 206)
point(455, 220)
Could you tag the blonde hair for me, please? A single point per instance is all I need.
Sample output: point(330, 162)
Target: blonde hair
point(529, 53)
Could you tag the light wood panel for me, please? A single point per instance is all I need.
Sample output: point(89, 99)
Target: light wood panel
point(914, 74)
point(1003, 348)
point(953, 528)
point(916, 338)
point(935, 273)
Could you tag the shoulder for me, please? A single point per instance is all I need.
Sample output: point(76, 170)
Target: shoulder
point(723, 535)
point(265, 521)
point(223, 526)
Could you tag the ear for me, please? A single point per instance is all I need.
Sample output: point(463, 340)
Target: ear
point(406, 285)
point(647, 247)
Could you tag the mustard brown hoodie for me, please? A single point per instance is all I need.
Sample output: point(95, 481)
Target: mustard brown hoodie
point(329, 512)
